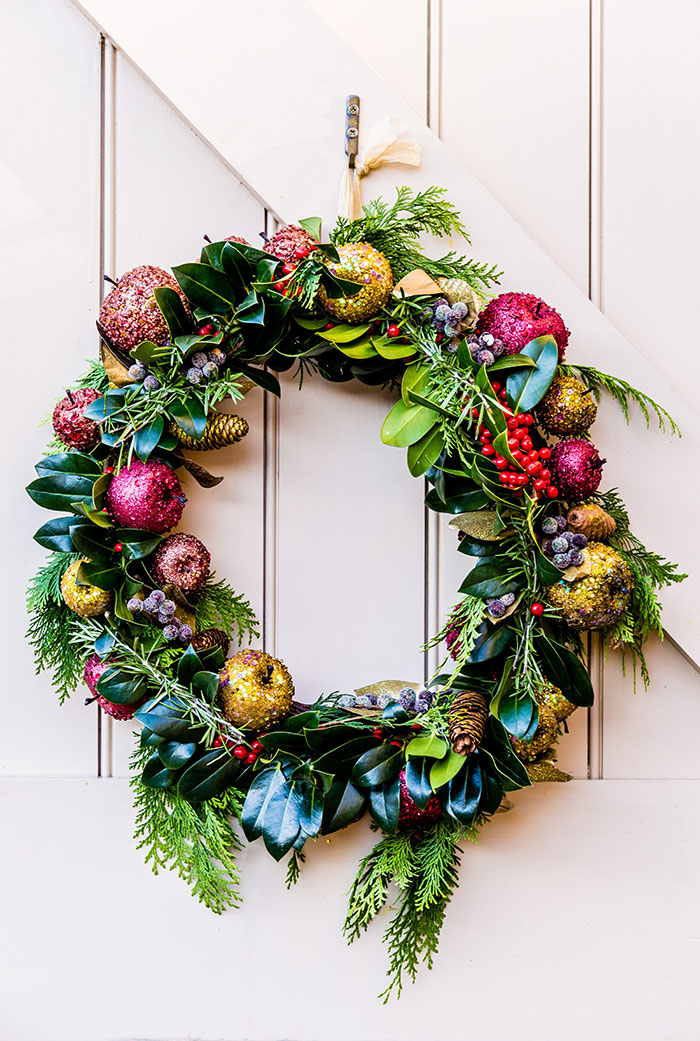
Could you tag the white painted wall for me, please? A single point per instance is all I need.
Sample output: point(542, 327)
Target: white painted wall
point(610, 865)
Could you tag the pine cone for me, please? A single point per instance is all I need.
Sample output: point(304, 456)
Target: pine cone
point(221, 430)
point(207, 639)
point(466, 721)
point(591, 520)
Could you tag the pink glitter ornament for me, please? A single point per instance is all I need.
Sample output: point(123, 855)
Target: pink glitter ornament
point(410, 816)
point(146, 495)
point(289, 243)
point(70, 425)
point(576, 469)
point(517, 318)
point(93, 670)
point(183, 560)
point(130, 313)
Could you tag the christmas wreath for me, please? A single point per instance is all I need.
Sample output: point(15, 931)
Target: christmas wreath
point(495, 418)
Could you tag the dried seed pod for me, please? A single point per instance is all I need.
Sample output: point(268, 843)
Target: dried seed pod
point(221, 430)
point(591, 520)
point(466, 721)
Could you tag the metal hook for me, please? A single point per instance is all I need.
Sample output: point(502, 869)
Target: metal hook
point(352, 128)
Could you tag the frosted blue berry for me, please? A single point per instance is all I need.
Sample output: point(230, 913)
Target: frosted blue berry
point(460, 310)
point(452, 346)
point(135, 605)
point(367, 701)
point(157, 596)
point(407, 698)
point(488, 339)
point(451, 330)
point(508, 599)
point(575, 557)
point(563, 523)
point(151, 383)
point(171, 632)
point(194, 375)
point(199, 360)
point(137, 371)
point(579, 541)
point(347, 701)
point(217, 356)
point(549, 526)
point(561, 560)
point(496, 608)
point(167, 607)
point(442, 312)
point(384, 700)
point(498, 347)
point(560, 544)
point(209, 370)
point(185, 633)
point(547, 548)
point(150, 605)
point(485, 357)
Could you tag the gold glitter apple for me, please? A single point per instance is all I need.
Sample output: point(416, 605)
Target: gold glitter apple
point(255, 690)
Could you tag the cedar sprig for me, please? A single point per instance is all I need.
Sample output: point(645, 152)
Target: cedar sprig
point(294, 863)
point(395, 228)
point(198, 842)
point(623, 393)
point(94, 377)
point(52, 626)
point(219, 606)
point(467, 617)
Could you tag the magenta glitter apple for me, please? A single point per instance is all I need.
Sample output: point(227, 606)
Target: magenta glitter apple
point(576, 468)
point(410, 815)
point(70, 425)
point(146, 495)
point(518, 318)
point(130, 313)
point(93, 670)
point(183, 560)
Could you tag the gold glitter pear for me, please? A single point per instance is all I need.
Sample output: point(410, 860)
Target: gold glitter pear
point(601, 598)
point(566, 408)
point(543, 739)
point(359, 262)
point(553, 698)
point(591, 520)
point(255, 690)
point(87, 601)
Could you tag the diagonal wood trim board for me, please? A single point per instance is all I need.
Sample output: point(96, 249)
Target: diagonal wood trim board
point(281, 135)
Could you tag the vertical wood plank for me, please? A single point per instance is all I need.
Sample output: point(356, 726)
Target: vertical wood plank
point(170, 191)
point(49, 175)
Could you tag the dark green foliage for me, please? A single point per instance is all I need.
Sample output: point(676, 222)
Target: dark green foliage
point(623, 393)
point(52, 626)
point(218, 606)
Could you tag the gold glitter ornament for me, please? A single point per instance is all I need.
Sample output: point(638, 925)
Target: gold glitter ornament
point(566, 408)
point(255, 690)
point(601, 598)
point(456, 290)
point(553, 698)
point(85, 600)
point(359, 262)
point(543, 739)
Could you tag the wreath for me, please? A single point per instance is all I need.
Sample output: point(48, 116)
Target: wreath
point(495, 419)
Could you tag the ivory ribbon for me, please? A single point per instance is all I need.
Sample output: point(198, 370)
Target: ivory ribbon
point(387, 143)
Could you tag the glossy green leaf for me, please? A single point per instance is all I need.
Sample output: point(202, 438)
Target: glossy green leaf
point(416, 378)
point(487, 579)
point(474, 547)
point(357, 351)
point(394, 712)
point(148, 739)
point(94, 543)
point(344, 803)
point(147, 437)
point(155, 775)
point(206, 287)
point(262, 379)
point(61, 491)
point(104, 576)
point(252, 310)
point(424, 453)
point(460, 797)
point(175, 754)
point(524, 389)
point(391, 349)
point(513, 361)
point(492, 643)
point(312, 226)
point(188, 666)
point(443, 771)
point(206, 684)
point(407, 424)
point(190, 416)
point(56, 534)
point(119, 687)
point(173, 310)
point(137, 543)
point(311, 813)
point(424, 402)
point(168, 718)
point(384, 805)
point(417, 776)
point(566, 671)
point(342, 334)
point(496, 745)
point(75, 463)
point(377, 765)
point(208, 775)
point(517, 711)
point(430, 745)
point(465, 502)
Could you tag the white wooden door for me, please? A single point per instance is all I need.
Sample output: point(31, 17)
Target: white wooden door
point(578, 913)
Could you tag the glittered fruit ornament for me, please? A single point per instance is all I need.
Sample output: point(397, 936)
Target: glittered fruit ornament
point(255, 690)
point(591, 520)
point(183, 560)
point(553, 698)
point(410, 815)
point(146, 495)
point(93, 670)
point(517, 318)
point(576, 468)
point(289, 242)
point(544, 737)
point(85, 600)
point(567, 408)
point(130, 313)
point(359, 262)
point(599, 599)
point(237, 238)
point(456, 290)
point(220, 430)
point(70, 425)
point(208, 639)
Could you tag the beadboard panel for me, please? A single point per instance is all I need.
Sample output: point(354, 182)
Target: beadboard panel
point(49, 293)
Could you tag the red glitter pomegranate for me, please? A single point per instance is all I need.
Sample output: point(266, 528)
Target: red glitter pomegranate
point(410, 816)
point(130, 313)
point(146, 495)
point(70, 425)
point(517, 318)
point(93, 670)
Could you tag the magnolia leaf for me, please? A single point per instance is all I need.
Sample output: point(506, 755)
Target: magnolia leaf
point(417, 283)
point(407, 424)
point(117, 372)
point(481, 524)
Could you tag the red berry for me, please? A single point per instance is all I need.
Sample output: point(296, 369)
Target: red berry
point(251, 757)
point(512, 423)
point(545, 453)
point(496, 386)
point(488, 450)
point(217, 742)
point(537, 609)
point(300, 252)
point(552, 492)
point(545, 475)
point(377, 732)
point(279, 286)
point(504, 478)
point(439, 338)
point(240, 751)
point(533, 468)
point(520, 433)
point(475, 412)
point(500, 462)
point(109, 469)
point(528, 420)
point(398, 744)
point(118, 547)
point(416, 726)
point(256, 747)
point(522, 479)
point(393, 330)
point(517, 454)
point(540, 486)
point(513, 443)
point(288, 269)
point(330, 325)
point(533, 456)
point(526, 442)
point(206, 330)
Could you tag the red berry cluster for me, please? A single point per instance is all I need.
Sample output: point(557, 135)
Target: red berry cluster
point(239, 751)
point(301, 252)
point(207, 330)
point(522, 450)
